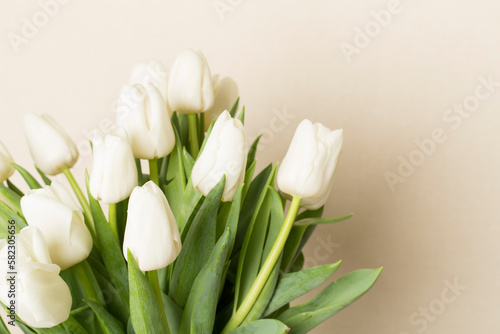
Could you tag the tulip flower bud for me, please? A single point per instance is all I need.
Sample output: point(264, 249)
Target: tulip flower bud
point(142, 112)
point(151, 73)
point(50, 146)
point(226, 94)
point(6, 170)
point(190, 84)
point(55, 213)
point(224, 154)
point(308, 167)
point(114, 174)
point(43, 299)
point(151, 232)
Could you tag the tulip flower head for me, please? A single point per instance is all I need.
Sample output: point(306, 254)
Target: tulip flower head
point(50, 146)
point(309, 164)
point(226, 94)
point(53, 210)
point(152, 72)
point(142, 112)
point(190, 87)
point(151, 231)
point(43, 299)
point(114, 174)
point(6, 170)
point(224, 154)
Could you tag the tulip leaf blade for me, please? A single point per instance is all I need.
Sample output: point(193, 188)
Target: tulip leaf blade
point(241, 115)
point(318, 221)
point(73, 326)
point(205, 139)
point(13, 187)
point(176, 180)
point(191, 200)
point(30, 180)
point(173, 313)
point(109, 247)
point(12, 197)
point(334, 298)
point(199, 242)
point(109, 324)
point(234, 108)
point(188, 162)
point(199, 313)
point(262, 326)
point(253, 151)
point(294, 285)
point(248, 177)
point(44, 177)
point(144, 307)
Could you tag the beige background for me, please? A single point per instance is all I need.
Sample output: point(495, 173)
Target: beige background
point(438, 226)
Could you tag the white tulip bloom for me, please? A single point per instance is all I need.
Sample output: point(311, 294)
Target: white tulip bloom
point(224, 154)
point(190, 84)
point(43, 299)
point(308, 167)
point(226, 94)
point(50, 146)
point(142, 112)
point(114, 174)
point(151, 232)
point(55, 213)
point(152, 72)
point(6, 170)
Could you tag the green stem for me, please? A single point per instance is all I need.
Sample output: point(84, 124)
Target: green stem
point(153, 279)
point(193, 135)
point(113, 222)
point(86, 281)
point(266, 269)
point(87, 214)
point(153, 171)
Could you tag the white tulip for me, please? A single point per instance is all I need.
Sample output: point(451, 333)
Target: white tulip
point(151, 232)
point(152, 72)
point(142, 112)
point(308, 167)
point(55, 213)
point(190, 84)
point(6, 170)
point(43, 299)
point(226, 94)
point(50, 146)
point(224, 154)
point(114, 174)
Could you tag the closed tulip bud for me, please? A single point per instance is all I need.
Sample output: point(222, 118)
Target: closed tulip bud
point(152, 72)
point(55, 213)
point(190, 84)
point(114, 174)
point(224, 154)
point(226, 94)
point(6, 170)
point(142, 112)
point(43, 299)
point(308, 167)
point(151, 232)
point(50, 146)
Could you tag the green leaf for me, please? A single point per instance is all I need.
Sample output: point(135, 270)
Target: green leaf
point(294, 285)
point(45, 179)
point(199, 313)
point(30, 180)
point(241, 116)
point(263, 326)
point(173, 313)
point(144, 308)
point(110, 249)
point(317, 221)
point(252, 151)
point(234, 108)
point(188, 162)
point(232, 218)
point(176, 181)
point(191, 201)
point(196, 248)
point(13, 198)
point(73, 326)
point(248, 177)
point(14, 188)
point(335, 297)
point(108, 323)
point(114, 301)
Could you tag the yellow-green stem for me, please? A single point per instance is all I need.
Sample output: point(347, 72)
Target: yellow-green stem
point(193, 134)
point(113, 223)
point(153, 171)
point(153, 279)
point(87, 214)
point(266, 269)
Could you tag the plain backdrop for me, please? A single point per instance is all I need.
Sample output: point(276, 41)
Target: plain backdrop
point(414, 84)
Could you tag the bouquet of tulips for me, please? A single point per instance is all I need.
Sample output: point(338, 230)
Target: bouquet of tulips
point(199, 242)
